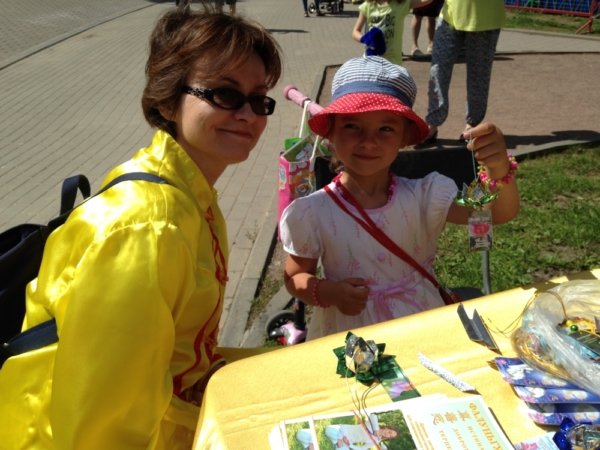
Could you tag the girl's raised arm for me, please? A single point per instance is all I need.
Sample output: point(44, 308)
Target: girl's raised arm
point(357, 31)
point(489, 148)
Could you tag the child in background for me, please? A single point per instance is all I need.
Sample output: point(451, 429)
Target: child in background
point(431, 13)
point(369, 120)
point(387, 16)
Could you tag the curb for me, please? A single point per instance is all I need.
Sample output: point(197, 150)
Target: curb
point(255, 334)
point(553, 34)
point(249, 286)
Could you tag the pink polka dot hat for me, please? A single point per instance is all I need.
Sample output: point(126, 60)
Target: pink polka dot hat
point(371, 83)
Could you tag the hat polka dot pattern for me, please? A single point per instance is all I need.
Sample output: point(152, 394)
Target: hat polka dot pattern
point(372, 84)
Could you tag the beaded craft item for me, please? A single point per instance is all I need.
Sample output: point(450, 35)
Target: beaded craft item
point(559, 333)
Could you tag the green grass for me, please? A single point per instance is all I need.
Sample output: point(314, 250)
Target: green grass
point(558, 228)
point(557, 23)
point(556, 232)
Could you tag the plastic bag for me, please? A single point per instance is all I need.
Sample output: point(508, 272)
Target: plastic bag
point(543, 344)
point(296, 172)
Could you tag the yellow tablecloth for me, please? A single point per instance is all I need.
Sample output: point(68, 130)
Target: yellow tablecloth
point(246, 399)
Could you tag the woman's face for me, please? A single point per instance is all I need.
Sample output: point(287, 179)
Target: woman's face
point(215, 137)
point(388, 433)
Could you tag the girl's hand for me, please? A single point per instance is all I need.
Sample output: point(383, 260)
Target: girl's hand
point(489, 147)
point(349, 296)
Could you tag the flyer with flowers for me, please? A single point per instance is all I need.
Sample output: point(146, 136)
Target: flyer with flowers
point(549, 399)
point(425, 423)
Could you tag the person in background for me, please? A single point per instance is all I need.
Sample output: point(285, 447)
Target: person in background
point(136, 276)
point(431, 13)
point(317, 8)
point(362, 282)
point(230, 3)
point(474, 26)
point(386, 17)
point(304, 438)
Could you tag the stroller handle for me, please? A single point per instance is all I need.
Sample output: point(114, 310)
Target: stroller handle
point(291, 93)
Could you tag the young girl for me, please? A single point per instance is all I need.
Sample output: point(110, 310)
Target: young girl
point(388, 16)
point(369, 120)
point(430, 13)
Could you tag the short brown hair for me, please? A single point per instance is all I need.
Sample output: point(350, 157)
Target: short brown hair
point(212, 43)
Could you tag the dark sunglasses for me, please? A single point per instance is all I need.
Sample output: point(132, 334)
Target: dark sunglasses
point(228, 98)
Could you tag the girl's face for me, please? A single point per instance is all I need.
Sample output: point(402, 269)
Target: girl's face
point(367, 143)
point(215, 137)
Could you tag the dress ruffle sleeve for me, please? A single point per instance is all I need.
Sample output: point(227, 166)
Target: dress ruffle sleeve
point(297, 229)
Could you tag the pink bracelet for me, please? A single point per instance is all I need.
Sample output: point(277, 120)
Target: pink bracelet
point(499, 183)
point(315, 294)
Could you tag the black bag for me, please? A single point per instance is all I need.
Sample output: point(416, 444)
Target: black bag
point(21, 250)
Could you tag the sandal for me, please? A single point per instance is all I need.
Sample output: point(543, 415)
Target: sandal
point(306, 14)
point(417, 55)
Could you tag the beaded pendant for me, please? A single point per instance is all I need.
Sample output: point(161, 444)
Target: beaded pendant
point(475, 195)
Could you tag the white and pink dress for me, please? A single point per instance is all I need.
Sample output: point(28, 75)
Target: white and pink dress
point(414, 216)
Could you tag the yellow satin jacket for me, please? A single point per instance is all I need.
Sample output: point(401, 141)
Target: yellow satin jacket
point(135, 279)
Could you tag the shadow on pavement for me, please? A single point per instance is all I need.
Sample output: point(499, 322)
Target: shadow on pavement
point(536, 99)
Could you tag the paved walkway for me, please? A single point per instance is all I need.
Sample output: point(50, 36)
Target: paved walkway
point(71, 76)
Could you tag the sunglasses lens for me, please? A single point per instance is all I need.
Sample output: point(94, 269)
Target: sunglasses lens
point(228, 98)
point(262, 105)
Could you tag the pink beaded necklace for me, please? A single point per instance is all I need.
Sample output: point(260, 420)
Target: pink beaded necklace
point(352, 200)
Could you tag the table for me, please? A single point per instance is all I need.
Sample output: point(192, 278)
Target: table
point(245, 399)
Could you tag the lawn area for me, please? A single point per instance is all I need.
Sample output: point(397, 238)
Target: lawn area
point(556, 232)
point(558, 228)
point(557, 23)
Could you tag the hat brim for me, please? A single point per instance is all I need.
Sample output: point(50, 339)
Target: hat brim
point(363, 102)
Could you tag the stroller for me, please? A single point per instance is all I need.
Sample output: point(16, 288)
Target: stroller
point(326, 6)
point(288, 327)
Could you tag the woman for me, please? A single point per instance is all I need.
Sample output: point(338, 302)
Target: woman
point(135, 278)
point(472, 26)
point(360, 436)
